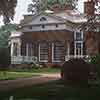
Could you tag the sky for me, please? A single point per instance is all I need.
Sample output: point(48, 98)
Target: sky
point(21, 9)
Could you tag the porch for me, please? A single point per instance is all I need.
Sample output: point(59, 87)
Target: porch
point(44, 52)
point(47, 47)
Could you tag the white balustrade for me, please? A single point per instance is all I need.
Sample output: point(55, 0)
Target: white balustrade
point(23, 59)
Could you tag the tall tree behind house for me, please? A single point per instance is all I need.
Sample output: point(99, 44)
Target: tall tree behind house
point(92, 27)
point(7, 10)
point(4, 46)
point(40, 5)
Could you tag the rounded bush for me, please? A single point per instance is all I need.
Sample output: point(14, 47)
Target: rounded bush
point(4, 58)
point(75, 71)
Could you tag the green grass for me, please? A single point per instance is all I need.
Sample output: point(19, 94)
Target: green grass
point(39, 70)
point(55, 90)
point(14, 75)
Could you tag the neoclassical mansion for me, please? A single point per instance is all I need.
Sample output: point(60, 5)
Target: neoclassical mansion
point(48, 37)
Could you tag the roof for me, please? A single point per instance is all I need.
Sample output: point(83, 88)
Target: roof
point(73, 16)
point(30, 18)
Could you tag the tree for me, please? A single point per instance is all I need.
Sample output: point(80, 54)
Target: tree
point(93, 17)
point(73, 3)
point(7, 9)
point(5, 33)
point(92, 27)
point(37, 6)
point(4, 46)
point(40, 5)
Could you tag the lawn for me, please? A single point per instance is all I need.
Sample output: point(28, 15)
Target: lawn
point(14, 74)
point(55, 90)
point(48, 70)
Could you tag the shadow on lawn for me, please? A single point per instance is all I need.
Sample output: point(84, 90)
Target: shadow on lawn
point(54, 90)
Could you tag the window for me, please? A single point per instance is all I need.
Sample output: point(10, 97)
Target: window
point(30, 49)
point(58, 52)
point(15, 49)
point(79, 48)
point(43, 52)
point(43, 19)
point(78, 36)
point(43, 26)
point(56, 25)
point(23, 49)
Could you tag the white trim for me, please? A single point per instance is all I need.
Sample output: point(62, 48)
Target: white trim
point(76, 48)
point(78, 41)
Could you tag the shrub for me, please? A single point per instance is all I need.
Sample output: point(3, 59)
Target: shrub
point(4, 58)
point(95, 61)
point(75, 71)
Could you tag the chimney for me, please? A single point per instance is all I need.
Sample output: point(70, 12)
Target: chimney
point(89, 7)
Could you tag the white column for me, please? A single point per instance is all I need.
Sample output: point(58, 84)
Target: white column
point(68, 50)
point(19, 49)
point(27, 49)
point(12, 48)
point(74, 49)
point(39, 52)
point(82, 48)
point(52, 52)
point(75, 43)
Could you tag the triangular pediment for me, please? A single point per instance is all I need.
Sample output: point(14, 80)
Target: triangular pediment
point(44, 18)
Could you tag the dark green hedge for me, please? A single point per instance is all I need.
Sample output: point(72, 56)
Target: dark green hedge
point(4, 57)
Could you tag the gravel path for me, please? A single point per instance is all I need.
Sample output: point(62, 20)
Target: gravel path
point(21, 82)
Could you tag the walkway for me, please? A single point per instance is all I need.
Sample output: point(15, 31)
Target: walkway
point(21, 82)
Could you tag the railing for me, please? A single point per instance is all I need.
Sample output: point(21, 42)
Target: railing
point(23, 59)
point(68, 57)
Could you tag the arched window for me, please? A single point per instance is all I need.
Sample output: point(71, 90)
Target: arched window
point(43, 19)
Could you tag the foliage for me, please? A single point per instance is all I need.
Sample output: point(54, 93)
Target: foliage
point(75, 71)
point(73, 3)
point(92, 19)
point(4, 46)
point(40, 5)
point(95, 60)
point(7, 9)
point(4, 58)
point(13, 75)
point(5, 33)
point(37, 6)
point(48, 70)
